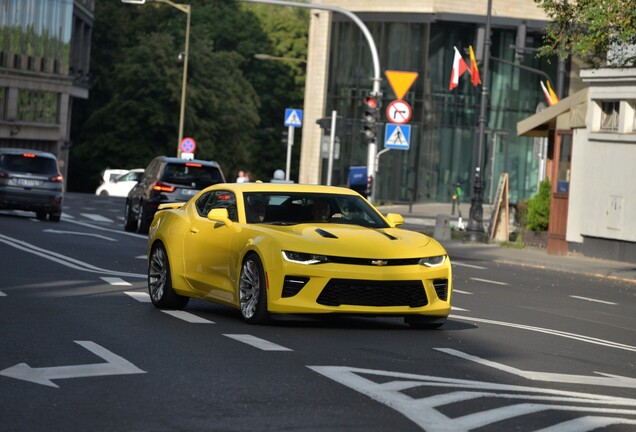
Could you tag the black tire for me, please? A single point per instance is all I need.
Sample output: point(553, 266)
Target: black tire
point(252, 291)
point(130, 223)
point(41, 215)
point(142, 221)
point(103, 193)
point(55, 217)
point(160, 281)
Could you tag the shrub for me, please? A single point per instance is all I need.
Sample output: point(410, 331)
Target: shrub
point(539, 208)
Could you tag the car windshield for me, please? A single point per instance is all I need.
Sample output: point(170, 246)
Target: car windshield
point(192, 174)
point(28, 163)
point(294, 208)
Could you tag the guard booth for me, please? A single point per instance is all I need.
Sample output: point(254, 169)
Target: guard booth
point(358, 180)
point(556, 123)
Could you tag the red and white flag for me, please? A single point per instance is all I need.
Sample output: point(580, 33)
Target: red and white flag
point(459, 67)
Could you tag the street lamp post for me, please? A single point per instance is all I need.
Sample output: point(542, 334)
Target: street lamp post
point(475, 229)
point(185, 9)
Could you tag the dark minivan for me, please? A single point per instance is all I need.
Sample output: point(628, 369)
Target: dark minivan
point(167, 180)
point(30, 180)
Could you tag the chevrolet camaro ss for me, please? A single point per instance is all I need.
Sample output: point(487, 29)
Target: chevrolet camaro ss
point(269, 248)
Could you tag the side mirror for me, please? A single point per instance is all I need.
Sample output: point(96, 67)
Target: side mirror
point(395, 219)
point(220, 215)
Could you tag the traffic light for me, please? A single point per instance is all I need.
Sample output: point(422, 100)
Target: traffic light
point(370, 117)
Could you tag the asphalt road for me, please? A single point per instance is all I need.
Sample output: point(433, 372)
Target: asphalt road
point(83, 349)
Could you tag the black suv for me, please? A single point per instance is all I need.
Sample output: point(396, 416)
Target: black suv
point(167, 180)
point(30, 180)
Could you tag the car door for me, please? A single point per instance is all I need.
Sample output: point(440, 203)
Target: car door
point(208, 257)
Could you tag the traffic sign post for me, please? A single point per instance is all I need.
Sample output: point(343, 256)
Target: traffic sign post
point(187, 146)
point(399, 112)
point(293, 119)
point(397, 137)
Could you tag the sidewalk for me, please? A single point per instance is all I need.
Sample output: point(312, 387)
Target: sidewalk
point(424, 215)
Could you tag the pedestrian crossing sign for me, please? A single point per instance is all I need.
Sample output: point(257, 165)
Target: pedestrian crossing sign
point(293, 117)
point(397, 136)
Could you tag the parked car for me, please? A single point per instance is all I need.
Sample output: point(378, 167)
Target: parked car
point(167, 180)
point(110, 174)
point(30, 180)
point(121, 185)
point(267, 249)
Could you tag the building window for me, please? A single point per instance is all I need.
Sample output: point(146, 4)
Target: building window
point(610, 113)
point(37, 106)
point(3, 103)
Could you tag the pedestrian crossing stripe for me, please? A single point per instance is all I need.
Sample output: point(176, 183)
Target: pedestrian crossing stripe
point(397, 136)
point(293, 117)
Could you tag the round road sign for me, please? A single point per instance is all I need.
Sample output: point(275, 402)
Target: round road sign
point(398, 112)
point(188, 145)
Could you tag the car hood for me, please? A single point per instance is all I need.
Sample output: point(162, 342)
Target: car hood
point(353, 241)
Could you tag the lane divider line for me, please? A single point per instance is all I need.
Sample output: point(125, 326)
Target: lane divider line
point(259, 343)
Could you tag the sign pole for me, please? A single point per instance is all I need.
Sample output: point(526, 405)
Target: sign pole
point(332, 140)
point(290, 144)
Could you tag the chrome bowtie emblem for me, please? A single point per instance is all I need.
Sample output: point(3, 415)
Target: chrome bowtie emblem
point(379, 263)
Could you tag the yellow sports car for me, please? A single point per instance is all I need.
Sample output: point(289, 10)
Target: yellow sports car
point(267, 248)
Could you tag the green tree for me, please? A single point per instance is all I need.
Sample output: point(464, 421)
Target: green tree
point(589, 29)
point(234, 102)
point(539, 208)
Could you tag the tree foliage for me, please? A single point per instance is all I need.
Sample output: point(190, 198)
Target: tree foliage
point(234, 103)
point(591, 29)
point(539, 208)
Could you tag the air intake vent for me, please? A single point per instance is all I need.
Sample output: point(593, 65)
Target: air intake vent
point(441, 288)
point(373, 293)
point(293, 284)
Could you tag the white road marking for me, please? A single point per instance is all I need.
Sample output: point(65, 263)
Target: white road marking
point(141, 257)
point(460, 264)
point(96, 217)
point(2, 294)
point(428, 411)
point(67, 216)
point(462, 292)
point(606, 380)
point(141, 297)
point(458, 309)
point(115, 365)
point(488, 281)
point(187, 316)
point(567, 335)
point(115, 281)
point(62, 259)
point(594, 300)
point(257, 342)
point(54, 231)
point(116, 231)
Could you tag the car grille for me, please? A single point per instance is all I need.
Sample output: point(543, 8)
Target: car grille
point(441, 288)
point(373, 293)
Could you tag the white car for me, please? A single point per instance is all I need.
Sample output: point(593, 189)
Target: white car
point(120, 186)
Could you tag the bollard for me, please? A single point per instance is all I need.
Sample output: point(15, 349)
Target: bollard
point(442, 228)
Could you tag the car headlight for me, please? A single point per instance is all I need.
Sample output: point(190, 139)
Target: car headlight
point(434, 261)
point(304, 258)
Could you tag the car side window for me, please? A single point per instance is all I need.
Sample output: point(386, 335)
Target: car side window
point(217, 199)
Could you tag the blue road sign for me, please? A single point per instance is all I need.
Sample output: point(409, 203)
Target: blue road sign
point(293, 117)
point(397, 136)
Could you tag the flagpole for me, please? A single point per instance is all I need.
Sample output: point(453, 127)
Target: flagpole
point(475, 230)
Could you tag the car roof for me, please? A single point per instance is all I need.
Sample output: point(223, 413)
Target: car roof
point(13, 150)
point(285, 188)
point(171, 159)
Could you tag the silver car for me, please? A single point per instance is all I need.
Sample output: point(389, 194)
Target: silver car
point(30, 180)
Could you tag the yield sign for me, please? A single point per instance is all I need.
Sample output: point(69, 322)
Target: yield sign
point(400, 81)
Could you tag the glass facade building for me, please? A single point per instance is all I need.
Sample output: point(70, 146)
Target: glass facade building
point(44, 64)
point(443, 147)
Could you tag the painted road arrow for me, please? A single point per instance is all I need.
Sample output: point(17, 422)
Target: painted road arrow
point(606, 380)
point(115, 365)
